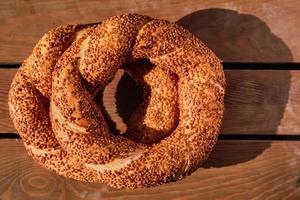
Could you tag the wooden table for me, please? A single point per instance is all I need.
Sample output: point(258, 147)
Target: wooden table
point(258, 154)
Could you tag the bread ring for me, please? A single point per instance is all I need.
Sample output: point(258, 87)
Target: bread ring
point(51, 102)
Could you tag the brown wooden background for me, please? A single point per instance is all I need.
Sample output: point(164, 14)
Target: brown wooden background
point(258, 154)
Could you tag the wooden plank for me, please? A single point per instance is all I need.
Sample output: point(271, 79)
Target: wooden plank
point(6, 76)
point(262, 102)
point(235, 170)
point(256, 102)
point(239, 30)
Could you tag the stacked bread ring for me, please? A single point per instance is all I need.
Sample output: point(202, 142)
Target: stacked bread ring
point(51, 102)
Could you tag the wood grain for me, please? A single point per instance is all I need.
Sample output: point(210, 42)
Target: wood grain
point(6, 76)
point(239, 30)
point(256, 102)
point(235, 170)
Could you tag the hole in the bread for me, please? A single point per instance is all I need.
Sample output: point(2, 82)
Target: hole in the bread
point(129, 108)
point(117, 106)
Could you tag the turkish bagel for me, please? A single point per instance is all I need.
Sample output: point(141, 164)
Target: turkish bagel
point(52, 105)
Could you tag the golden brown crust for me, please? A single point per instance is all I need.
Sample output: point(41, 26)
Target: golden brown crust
point(51, 102)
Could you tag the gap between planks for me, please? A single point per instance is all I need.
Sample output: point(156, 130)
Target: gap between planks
point(226, 65)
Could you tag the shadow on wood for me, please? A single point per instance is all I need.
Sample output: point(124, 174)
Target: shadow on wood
point(229, 153)
point(236, 37)
point(244, 37)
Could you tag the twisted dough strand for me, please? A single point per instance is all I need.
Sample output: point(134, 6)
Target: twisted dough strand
point(71, 63)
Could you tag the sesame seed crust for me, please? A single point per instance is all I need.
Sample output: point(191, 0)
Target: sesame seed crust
point(51, 102)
